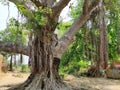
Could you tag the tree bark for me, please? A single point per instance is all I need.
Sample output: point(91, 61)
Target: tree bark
point(15, 61)
point(21, 59)
point(68, 37)
point(14, 48)
point(11, 66)
point(59, 6)
point(103, 38)
point(44, 66)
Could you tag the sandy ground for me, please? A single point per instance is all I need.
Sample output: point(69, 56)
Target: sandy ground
point(94, 83)
point(10, 79)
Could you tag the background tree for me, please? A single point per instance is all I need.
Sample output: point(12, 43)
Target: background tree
point(14, 34)
point(112, 15)
point(86, 47)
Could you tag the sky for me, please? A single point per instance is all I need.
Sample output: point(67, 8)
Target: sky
point(5, 14)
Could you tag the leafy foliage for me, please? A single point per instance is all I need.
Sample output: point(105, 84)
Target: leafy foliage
point(85, 48)
point(64, 25)
point(24, 68)
point(13, 32)
point(113, 28)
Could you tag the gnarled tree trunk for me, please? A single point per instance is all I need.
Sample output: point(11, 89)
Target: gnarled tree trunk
point(44, 66)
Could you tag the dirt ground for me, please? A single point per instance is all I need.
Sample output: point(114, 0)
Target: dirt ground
point(93, 83)
point(11, 79)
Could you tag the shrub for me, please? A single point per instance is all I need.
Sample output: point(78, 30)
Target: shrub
point(83, 64)
point(24, 68)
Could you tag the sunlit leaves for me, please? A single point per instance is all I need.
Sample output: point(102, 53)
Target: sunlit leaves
point(13, 32)
point(45, 10)
point(41, 15)
point(76, 10)
point(64, 25)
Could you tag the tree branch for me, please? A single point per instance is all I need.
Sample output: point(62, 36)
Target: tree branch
point(59, 6)
point(50, 3)
point(26, 12)
point(37, 3)
point(14, 48)
point(85, 6)
point(68, 37)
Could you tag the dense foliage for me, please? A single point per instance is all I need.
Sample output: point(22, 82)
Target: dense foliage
point(84, 50)
point(14, 32)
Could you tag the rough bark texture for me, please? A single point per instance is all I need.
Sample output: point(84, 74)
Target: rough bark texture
point(11, 47)
point(85, 6)
point(44, 67)
point(103, 38)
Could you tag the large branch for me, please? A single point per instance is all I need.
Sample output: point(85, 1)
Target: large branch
point(14, 48)
point(37, 3)
point(48, 3)
point(68, 37)
point(28, 12)
point(85, 6)
point(59, 6)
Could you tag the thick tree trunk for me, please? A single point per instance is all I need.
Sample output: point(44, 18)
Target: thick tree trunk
point(44, 67)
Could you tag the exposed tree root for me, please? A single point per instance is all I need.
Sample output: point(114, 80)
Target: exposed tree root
point(42, 82)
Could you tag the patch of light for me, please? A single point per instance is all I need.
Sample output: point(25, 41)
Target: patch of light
point(64, 14)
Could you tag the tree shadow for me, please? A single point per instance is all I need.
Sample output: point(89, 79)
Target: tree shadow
point(7, 87)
